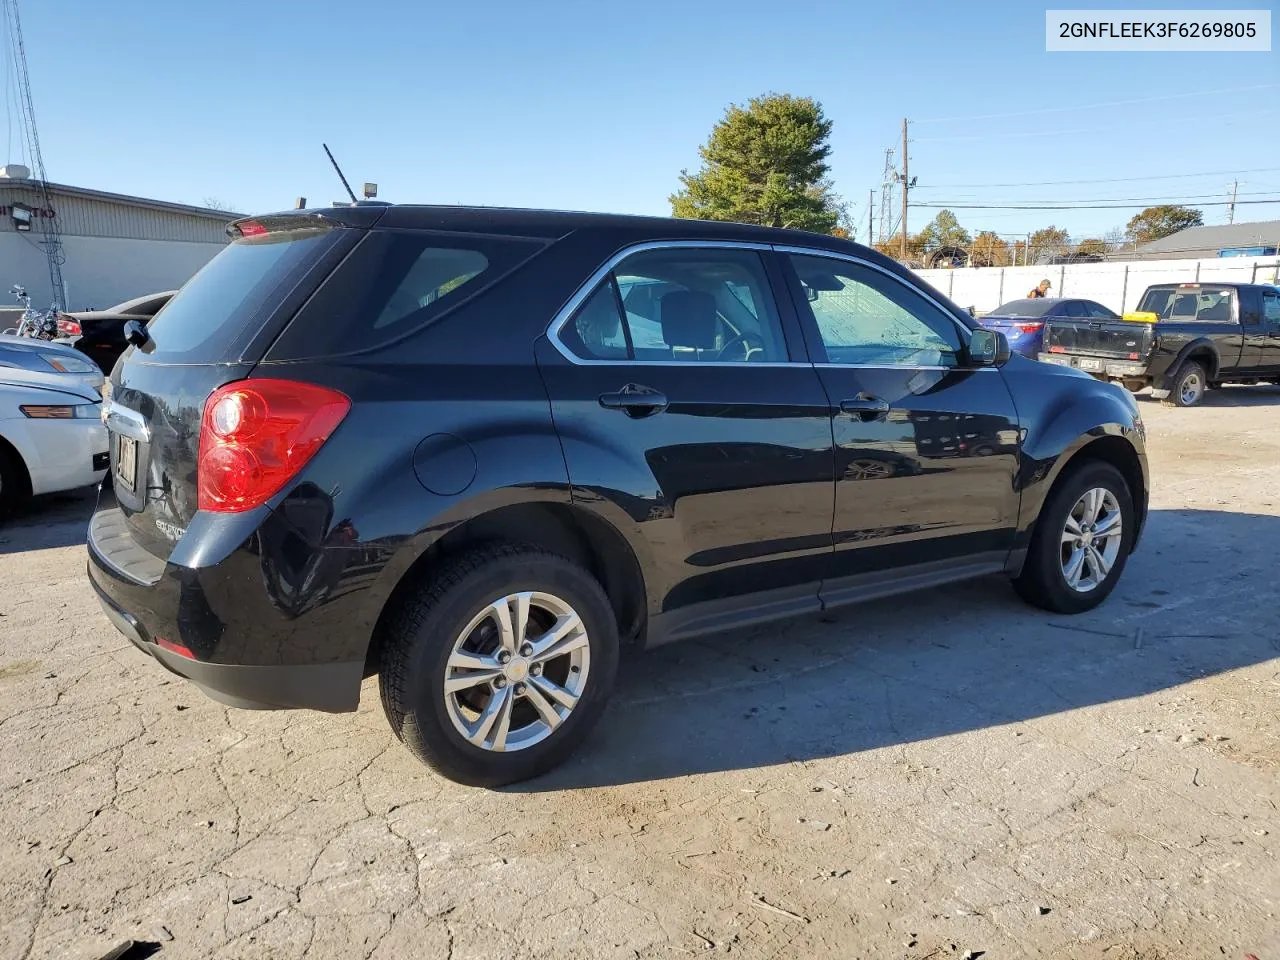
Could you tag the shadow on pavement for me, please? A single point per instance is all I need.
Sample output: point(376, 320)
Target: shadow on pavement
point(1196, 599)
point(1262, 395)
point(54, 520)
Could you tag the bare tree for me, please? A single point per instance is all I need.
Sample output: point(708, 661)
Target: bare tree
point(213, 203)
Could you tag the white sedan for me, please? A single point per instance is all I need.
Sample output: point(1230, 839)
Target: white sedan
point(51, 434)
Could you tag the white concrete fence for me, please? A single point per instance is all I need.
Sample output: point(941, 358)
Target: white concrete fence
point(1118, 285)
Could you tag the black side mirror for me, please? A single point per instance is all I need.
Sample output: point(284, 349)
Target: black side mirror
point(988, 348)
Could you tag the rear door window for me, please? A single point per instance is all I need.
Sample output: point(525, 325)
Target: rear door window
point(689, 305)
point(1076, 310)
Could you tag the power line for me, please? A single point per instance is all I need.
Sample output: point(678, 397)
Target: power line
point(1096, 106)
point(1270, 194)
point(1163, 176)
point(1069, 206)
point(1220, 120)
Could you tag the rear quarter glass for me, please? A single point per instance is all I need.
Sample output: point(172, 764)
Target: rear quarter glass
point(393, 284)
point(220, 310)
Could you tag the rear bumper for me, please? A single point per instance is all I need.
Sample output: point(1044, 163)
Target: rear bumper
point(253, 659)
point(331, 687)
point(1099, 366)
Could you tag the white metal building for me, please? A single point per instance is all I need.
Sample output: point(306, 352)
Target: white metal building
point(115, 247)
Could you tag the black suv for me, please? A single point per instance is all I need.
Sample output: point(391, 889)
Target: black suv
point(476, 452)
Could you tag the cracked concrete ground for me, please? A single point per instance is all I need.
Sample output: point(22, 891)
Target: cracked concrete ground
point(919, 778)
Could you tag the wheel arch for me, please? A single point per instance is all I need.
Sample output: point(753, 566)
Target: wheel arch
point(1202, 351)
point(1075, 426)
point(562, 527)
point(9, 450)
point(1110, 444)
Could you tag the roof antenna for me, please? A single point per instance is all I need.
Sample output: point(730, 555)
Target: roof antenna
point(350, 192)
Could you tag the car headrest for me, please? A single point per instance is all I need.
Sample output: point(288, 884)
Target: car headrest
point(688, 319)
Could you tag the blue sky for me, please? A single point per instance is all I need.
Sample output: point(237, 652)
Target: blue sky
point(599, 105)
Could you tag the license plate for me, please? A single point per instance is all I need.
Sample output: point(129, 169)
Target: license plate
point(1090, 363)
point(1058, 361)
point(126, 460)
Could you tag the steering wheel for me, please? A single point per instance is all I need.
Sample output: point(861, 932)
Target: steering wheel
point(752, 343)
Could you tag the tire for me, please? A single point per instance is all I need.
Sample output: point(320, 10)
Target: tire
point(15, 487)
point(1188, 386)
point(1044, 581)
point(419, 643)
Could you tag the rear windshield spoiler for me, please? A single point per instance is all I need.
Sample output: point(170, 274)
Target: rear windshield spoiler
point(328, 218)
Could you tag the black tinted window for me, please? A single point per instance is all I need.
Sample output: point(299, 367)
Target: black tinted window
point(436, 272)
point(1098, 312)
point(1076, 310)
point(595, 332)
point(393, 283)
point(222, 307)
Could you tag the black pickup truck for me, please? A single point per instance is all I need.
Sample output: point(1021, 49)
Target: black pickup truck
point(1183, 338)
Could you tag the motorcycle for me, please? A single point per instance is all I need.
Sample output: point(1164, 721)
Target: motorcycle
point(33, 323)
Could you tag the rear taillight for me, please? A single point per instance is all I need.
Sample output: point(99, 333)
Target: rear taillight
point(256, 435)
point(1029, 327)
point(1056, 349)
point(68, 327)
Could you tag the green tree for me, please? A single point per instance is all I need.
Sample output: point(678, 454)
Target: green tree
point(1090, 248)
point(1049, 242)
point(765, 163)
point(944, 231)
point(989, 250)
point(1156, 222)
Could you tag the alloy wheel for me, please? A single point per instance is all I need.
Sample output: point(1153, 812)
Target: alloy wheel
point(517, 671)
point(1091, 539)
point(1191, 388)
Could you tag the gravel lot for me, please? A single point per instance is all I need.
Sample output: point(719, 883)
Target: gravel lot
point(936, 776)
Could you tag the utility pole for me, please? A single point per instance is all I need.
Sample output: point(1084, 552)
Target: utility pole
point(1231, 207)
point(906, 186)
point(871, 213)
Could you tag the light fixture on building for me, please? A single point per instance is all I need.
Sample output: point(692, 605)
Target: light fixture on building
point(21, 216)
point(370, 191)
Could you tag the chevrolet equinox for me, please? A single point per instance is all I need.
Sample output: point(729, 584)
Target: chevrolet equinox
point(477, 452)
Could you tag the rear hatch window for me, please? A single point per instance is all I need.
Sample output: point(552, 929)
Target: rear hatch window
point(215, 316)
point(1204, 304)
point(210, 333)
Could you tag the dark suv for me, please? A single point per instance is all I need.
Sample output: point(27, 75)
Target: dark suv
point(476, 452)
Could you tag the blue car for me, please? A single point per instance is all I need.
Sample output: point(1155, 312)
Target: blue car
point(1022, 321)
